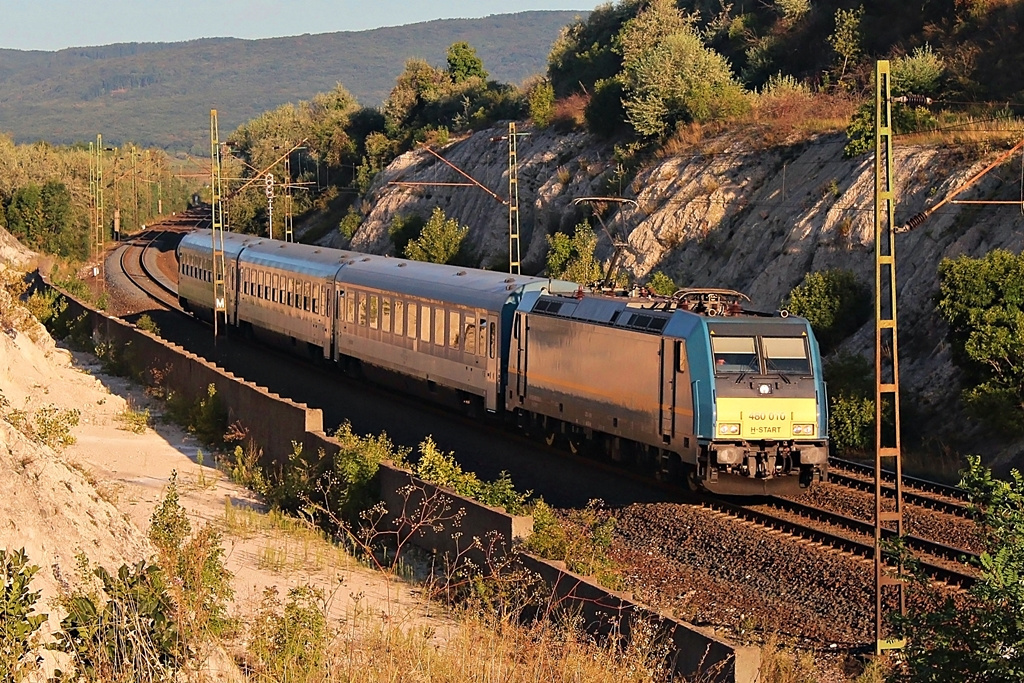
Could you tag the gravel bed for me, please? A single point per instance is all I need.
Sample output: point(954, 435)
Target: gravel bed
point(714, 570)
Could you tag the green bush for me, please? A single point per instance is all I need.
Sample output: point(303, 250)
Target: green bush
point(582, 541)
point(572, 258)
point(979, 639)
point(541, 98)
point(440, 240)
point(404, 229)
point(983, 301)
point(200, 583)
point(127, 633)
point(146, 323)
point(19, 621)
point(851, 423)
point(441, 468)
point(662, 284)
point(347, 483)
point(834, 303)
point(204, 416)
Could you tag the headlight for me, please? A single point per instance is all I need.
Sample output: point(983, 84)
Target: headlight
point(728, 428)
point(803, 430)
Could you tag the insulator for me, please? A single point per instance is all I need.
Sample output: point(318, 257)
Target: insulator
point(915, 221)
point(914, 100)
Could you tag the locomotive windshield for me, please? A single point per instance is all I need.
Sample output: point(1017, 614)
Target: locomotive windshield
point(735, 354)
point(786, 355)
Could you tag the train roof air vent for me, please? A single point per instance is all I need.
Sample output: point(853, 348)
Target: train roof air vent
point(316, 251)
point(403, 264)
point(510, 279)
point(366, 259)
point(461, 272)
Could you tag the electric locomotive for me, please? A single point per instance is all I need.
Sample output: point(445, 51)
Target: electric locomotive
point(692, 387)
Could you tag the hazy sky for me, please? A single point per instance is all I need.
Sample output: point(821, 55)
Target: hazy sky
point(56, 24)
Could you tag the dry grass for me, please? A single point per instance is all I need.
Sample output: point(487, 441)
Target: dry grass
point(485, 649)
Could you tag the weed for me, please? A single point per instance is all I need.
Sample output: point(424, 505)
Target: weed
point(49, 425)
point(146, 323)
point(133, 420)
point(581, 540)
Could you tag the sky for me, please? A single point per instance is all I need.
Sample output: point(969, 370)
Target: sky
point(57, 24)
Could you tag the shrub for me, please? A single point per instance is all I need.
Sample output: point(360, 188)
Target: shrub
point(917, 74)
point(19, 621)
point(983, 302)
point(347, 486)
point(582, 541)
point(440, 241)
point(834, 302)
point(350, 224)
point(146, 323)
point(404, 229)
point(541, 98)
point(441, 468)
point(980, 639)
point(128, 633)
point(572, 258)
point(200, 583)
point(289, 644)
point(662, 284)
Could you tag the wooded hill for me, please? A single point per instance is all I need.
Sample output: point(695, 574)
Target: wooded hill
point(160, 94)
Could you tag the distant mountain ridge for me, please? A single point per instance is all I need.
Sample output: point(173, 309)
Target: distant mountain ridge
point(161, 94)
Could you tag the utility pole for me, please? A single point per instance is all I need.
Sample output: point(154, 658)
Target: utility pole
point(289, 235)
point(217, 224)
point(887, 376)
point(513, 202)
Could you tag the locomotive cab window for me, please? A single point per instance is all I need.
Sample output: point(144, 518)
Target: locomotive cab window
point(735, 354)
point(786, 355)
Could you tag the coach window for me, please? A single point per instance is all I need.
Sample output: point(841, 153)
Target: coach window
point(361, 306)
point(470, 334)
point(276, 287)
point(385, 314)
point(439, 326)
point(374, 312)
point(425, 323)
point(491, 339)
point(454, 327)
point(307, 295)
point(410, 326)
point(399, 318)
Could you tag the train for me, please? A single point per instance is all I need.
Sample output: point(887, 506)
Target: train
point(693, 388)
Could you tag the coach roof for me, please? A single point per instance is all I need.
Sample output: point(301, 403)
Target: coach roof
point(462, 286)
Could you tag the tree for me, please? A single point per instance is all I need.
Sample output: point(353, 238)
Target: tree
point(834, 302)
point(669, 76)
point(541, 98)
point(440, 240)
point(572, 258)
point(846, 39)
point(983, 302)
point(464, 64)
point(981, 639)
point(919, 73)
point(660, 283)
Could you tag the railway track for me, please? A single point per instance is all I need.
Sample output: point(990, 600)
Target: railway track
point(139, 259)
point(928, 494)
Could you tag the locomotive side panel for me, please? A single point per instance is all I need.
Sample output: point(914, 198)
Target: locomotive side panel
point(597, 377)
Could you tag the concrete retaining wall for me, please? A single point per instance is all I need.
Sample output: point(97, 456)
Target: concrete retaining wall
point(420, 513)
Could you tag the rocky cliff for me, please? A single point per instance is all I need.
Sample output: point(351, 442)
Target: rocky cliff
point(727, 214)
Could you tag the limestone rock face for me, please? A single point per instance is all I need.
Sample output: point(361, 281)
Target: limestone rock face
point(726, 215)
